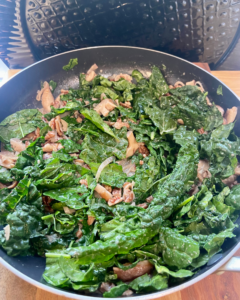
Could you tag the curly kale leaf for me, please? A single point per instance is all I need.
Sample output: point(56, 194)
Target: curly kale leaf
point(5, 175)
point(157, 83)
point(19, 124)
point(97, 149)
point(191, 107)
point(146, 284)
point(72, 63)
point(177, 250)
point(94, 117)
point(161, 119)
point(111, 175)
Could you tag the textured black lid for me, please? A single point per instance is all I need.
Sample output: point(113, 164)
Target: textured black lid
point(197, 30)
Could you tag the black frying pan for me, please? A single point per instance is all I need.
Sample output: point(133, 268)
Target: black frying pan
point(20, 92)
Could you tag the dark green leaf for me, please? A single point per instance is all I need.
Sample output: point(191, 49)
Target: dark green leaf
point(72, 63)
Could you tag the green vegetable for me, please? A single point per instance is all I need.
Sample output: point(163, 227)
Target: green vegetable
point(52, 85)
point(54, 210)
point(19, 124)
point(116, 291)
point(111, 175)
point(94, 117)
point(219, 90)
point(72, 63)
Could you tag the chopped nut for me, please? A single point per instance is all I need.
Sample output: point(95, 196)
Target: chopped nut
point(180, 121)
point(149, 199)
point(143, 150)
point(141, 162)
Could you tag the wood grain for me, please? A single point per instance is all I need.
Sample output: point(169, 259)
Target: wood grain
point(230, 78)
point(214, 287)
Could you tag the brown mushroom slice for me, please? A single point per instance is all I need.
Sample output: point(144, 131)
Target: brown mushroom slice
point(231, 114)
point(128, 194)
point(68, 211)
point(12, 186)
point(202, 171)
point(90, 75)
point(230, 180)
point(103, 192)
point(140, 269)
point(193, 82)
point(119, 124)
point(90, 220)
point(105, 106)
point(45, 95)
point(116, 77)
point(133, 145)
point(17, 145)
point(7, 159)
point(52, 147)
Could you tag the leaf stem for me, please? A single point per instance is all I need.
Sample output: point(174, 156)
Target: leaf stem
point(56, 255)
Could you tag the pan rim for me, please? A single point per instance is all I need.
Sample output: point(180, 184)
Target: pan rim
point(146, 296)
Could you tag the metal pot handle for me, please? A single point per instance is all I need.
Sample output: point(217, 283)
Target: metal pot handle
point(232, 265)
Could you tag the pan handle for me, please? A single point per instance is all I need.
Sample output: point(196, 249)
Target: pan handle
point(232, 265)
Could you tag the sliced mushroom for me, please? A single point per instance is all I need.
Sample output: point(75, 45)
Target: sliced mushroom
point(7, 159)
point(140, 269)
point(90, 220)
point(45, 95)
point(103, 192)
point(105, 106)
point(126, 104)
point(202, 171)
point(133, 145)
point(52, 147)
point(128, 194)
point(116, 197)
point(119, 124)
point(116, 77)
point(17, 145)
point(7, 232)
point(230, 181)
point(90, 75)
point(12, 186)
point(68, 211)
point(231, 114)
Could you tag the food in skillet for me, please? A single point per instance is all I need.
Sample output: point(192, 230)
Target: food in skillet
point(125, 185)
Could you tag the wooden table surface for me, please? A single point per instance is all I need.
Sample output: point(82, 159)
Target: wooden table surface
point(214, 287)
